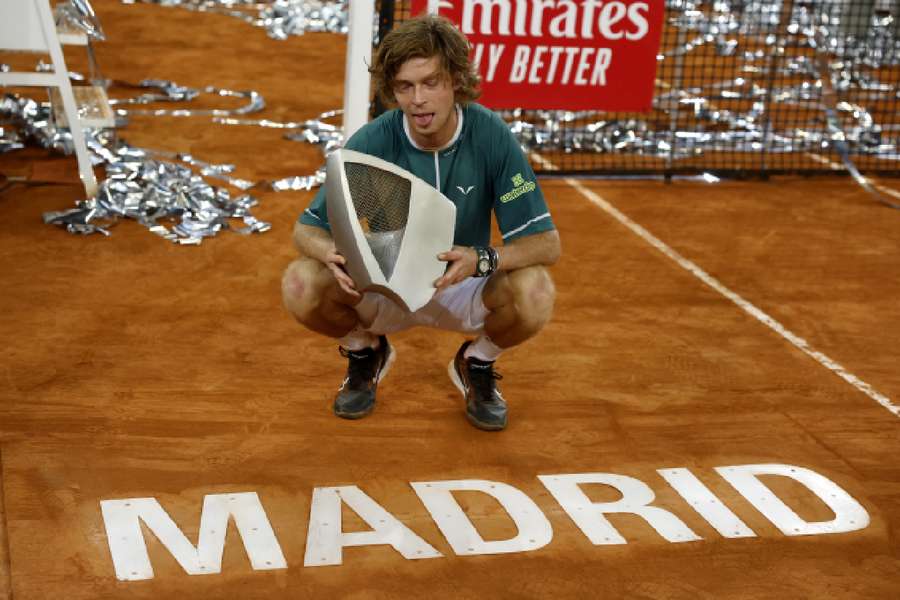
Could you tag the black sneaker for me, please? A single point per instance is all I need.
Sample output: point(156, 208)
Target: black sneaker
point(366, 368)
point(476, 379)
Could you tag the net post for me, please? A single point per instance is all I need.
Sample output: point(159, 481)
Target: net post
point(359, 56)
point(386, 9)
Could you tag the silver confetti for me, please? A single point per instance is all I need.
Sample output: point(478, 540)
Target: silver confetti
point(141, 184)
point(167, 91)
point(313, 131)
point(79, 15)
point(280, 18)
point(153, 186)
point(719, 24)
point(854, 66)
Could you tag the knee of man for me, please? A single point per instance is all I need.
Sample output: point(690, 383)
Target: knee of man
point(299, 289)
point(534, 294)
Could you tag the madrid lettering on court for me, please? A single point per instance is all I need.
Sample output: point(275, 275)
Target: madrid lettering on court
point(326, 539)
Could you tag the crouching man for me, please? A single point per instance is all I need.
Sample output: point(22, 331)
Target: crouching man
point(500, 296)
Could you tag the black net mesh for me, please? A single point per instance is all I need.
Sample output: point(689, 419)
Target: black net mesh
point(381, 201)
point(740, 90)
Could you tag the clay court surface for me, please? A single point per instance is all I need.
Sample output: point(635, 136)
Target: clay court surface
point(134, 368)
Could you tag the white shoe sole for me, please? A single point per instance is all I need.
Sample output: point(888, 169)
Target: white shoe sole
point(392, 354)
point(454, 377)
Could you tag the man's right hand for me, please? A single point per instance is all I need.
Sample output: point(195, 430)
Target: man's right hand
point(316, 243)
point(335, 263)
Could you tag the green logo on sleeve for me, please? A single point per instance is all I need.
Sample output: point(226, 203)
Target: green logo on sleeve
point(520, 186)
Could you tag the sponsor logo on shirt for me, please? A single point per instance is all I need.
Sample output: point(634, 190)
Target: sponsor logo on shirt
point(465, 190)
point(520, 186)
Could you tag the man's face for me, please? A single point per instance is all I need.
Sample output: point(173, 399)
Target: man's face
point(425, 95)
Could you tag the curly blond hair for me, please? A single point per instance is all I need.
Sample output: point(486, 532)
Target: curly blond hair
point(426, 36)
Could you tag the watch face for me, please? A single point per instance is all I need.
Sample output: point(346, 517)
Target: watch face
point(484, 265)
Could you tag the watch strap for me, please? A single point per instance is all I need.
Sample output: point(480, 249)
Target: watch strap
point(486, 260)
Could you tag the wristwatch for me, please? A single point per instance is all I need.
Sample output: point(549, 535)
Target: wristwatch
point(486, 259)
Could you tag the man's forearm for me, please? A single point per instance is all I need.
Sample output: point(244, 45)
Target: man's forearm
point(312, 242)
point(538, 249)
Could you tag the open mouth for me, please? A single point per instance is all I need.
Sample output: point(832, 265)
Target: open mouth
point(423, 120)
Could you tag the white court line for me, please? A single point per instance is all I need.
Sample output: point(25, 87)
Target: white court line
point(715, 284)
point(838, 166)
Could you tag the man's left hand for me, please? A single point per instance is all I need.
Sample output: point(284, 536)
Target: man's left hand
point(461, 264)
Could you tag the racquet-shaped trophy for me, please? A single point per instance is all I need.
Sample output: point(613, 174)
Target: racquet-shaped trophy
point(389, 225)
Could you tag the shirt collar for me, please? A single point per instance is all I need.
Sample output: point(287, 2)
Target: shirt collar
point(459, 125)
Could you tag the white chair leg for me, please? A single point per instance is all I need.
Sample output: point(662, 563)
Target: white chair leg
point(68, 98)
point(85, 169)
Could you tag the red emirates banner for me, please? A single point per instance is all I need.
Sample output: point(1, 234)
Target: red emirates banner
point(561, 54)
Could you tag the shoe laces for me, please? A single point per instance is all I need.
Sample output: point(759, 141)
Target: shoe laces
point(483, 377)
point(362, 366)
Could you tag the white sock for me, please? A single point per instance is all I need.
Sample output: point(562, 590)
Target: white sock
point(359, 339)
point(483, 349)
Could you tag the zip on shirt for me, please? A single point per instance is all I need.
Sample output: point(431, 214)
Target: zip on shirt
point(437, 171)
point(437, 164)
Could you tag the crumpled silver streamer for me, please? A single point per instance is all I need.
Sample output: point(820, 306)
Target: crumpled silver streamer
point(32, 120)
point(313, 131)
point(284, 18)
point(280, 18)
point(141, 185)
point(832, 106)
point(152, 191)
point(79, 14)
point(9, 140)
point(168, 91)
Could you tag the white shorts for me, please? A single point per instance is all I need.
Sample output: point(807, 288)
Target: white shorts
point(456, 308)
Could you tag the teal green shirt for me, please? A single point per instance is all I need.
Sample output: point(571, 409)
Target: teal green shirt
point(482, 171)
